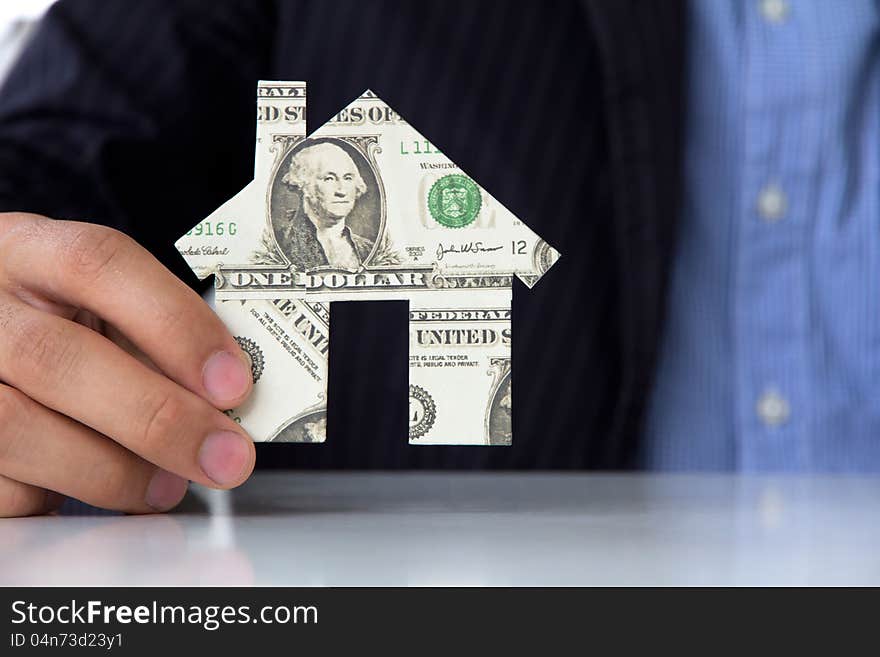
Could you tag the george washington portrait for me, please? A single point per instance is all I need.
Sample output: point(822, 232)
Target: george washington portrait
point(325, 206)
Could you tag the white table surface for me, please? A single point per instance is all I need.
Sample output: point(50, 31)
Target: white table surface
point(470, 529)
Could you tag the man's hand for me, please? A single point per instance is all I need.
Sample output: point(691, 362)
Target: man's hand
point(112, 372)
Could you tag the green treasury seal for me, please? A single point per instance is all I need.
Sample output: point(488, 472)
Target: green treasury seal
point(454, 200)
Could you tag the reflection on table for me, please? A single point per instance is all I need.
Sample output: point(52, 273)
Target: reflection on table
point(470, 529)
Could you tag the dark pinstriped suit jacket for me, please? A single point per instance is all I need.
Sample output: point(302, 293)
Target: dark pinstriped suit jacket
point(140, 115)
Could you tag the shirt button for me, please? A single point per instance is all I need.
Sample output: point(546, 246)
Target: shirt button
point(772, 203)
point(773, 408)
point(774, 11)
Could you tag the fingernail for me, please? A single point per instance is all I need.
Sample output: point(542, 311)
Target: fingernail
point(224, 456)
point(226, 376)
point(165, 490)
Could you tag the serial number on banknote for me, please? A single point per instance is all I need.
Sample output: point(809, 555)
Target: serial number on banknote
point(212, 229)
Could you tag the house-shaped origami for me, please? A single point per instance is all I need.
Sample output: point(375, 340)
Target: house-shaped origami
point(365, 208)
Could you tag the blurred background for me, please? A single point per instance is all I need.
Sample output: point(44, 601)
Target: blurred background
point(708, 168)
point(17, 22)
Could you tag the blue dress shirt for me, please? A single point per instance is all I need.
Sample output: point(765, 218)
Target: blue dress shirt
point(771, 354)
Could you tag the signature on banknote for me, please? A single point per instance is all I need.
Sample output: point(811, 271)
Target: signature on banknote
point(467, 247)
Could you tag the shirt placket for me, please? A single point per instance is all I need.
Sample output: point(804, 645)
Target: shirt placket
point(770, 313)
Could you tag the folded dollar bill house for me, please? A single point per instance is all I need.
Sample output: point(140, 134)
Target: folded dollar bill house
point(365, 208)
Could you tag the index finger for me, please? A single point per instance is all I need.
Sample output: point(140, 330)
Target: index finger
point(108, 273)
